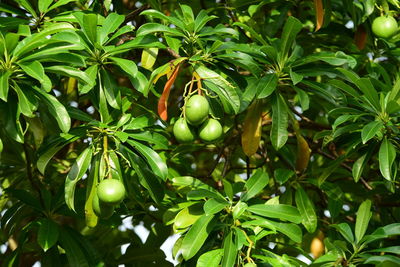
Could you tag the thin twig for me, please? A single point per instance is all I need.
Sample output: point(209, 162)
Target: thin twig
point(344, 165)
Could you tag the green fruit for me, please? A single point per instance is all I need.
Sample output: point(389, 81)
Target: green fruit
point(182, 132)
point(101, 209)
point(384, 26)
point(111, 191)
point(196, 109)
point(210, 130)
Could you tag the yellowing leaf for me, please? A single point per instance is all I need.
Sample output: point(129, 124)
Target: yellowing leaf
point(149, 56)
point(303, 153)
point(71, 85)
point(319, 14)
point(252, 129)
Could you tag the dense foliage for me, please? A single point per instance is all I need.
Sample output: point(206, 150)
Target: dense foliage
point(264, 133)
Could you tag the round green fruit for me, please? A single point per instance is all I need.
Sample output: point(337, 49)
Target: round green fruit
point(101, 209)
point(196, 109)
point(210, 130)
point(182, 131)
point(384, 26)
point(111, 191)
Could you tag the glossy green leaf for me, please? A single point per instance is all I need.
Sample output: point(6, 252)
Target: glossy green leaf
point(290, 30)
point(370, 130)
point(196, 236)
point(4, 84)
point(110, 24)
point(214, 205)
point(255, 184)
point(70, 72)
point(387, 155)
point(267, 85)
point(345, 230)
point(146, 177)
point(363, 216)
point(278, 211)
point(279, 133)
point(230, 252)
point(56, 109)
point(306, 209)
point(78, 169)
point(43, 5)
point(150, 28)
point(48, 234)
point(210, 258)
point(153, 159)
point(75, 254)
point(35, 70)
point(290, 230)
point(28, 44)
point(126, 65)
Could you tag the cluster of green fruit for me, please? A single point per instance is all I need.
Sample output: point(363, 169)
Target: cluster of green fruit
point(384, 26)
point(196, 112)
point(110, 192)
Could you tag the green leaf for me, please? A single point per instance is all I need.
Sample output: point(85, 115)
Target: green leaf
point(225, 90)
point(48, 234)
point(388, 260)
point(359, 166)
point(88, 24)
point(196, 236)
point(4, 84)
point(211, 258)
point(150, 28)
point(27, 102)
point(345, 230)
point(267, 85)
point(110, 89)
point(35, 70)
point(78, 169)
point(214, 205)
point(239, 209)
point(387, 155)
point(56, 109)
point(370, 130)
point(230, 252)
point(363, 216)
point(110, 24)
point(290, 30)
point(279, 133)
point(255, 184)
point(159, 15)
point(153, 159)
point(74, 252)
point(126, 65)
point(290, 230)
point(278, 211)
point(306, 209)
point(146, 41)
point(59, 3)
point(27, 6)
point(201, 20)
point(91, 73)
point(283, 175)
point(70, 72)
point(36, 40)
point(13, 126)
point(146, 177)
point(43, 5)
